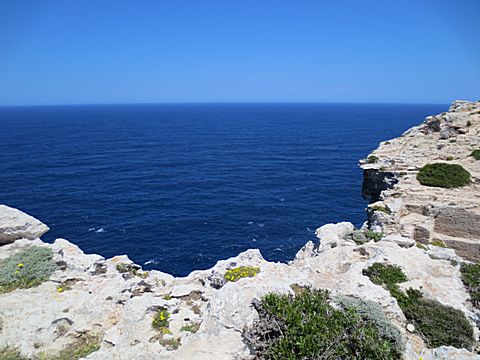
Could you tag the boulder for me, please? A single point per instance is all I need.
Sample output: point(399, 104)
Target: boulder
point(15, 224)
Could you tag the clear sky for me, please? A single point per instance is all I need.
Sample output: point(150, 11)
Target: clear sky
point(102, 51)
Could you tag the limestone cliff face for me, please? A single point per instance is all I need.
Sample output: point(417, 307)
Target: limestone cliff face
point(424, 213)
point(99, 297)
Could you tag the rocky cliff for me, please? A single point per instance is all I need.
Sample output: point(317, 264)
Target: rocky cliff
point(115, 303)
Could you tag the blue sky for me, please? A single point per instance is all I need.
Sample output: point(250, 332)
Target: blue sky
point(69, 52)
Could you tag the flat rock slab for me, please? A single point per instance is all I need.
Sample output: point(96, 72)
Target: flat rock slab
point(15, 224)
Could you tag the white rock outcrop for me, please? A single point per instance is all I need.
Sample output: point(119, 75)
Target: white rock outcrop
point(15, 224)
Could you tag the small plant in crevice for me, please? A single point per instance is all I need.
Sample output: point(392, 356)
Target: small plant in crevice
point(383, 209)
point(372, 159)
point(443, 175)
point(160, 319)
point(79, 349)
point(374, 235)
point(438, 324)
point(240, 272)
point(193, 327)
point(28, 268)
point(470, 274)
point(476, 154)
point(307, 326)
point(131, 269)
point(438, 243)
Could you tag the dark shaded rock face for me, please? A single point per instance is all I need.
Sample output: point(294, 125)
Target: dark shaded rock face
point(467, 251)
point(458, 223)
point(376, 181)
point(421, 235)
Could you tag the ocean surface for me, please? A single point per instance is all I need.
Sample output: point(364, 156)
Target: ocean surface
point(178, 187)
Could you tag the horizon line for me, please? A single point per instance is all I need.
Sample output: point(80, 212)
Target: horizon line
point(232, 103)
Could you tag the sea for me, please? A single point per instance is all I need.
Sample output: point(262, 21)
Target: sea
point(178, 187)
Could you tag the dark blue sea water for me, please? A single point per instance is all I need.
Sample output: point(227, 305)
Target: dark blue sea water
point(182, 186)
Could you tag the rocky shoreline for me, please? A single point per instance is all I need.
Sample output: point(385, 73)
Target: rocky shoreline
point(115, 302)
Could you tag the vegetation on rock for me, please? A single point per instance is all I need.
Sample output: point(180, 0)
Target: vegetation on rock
point(193, 328)
point(82, 347)
point(381, 208)
point(439, 325)
point(471, 280)
point(160, 319)
point(131, 269)
point(240, 272)
point(476, 154)
point(443, 175)
point(27, 268)
point(307, 326)
point(372, 159)
point(438, 243)
point(11, 353)
point(373, 235)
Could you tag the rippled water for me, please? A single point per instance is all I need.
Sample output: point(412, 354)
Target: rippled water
point(181, 186)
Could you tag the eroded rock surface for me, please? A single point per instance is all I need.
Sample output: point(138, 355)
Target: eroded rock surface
point(15, 224)
point(421, 212)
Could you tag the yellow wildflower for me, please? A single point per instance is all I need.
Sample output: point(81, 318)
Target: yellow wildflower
point(20, 265)
point(60, 289)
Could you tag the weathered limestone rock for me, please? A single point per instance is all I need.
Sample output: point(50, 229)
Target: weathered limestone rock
point(428, 213)
point(15, 224)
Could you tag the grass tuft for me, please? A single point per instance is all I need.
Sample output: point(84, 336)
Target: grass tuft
point(373, 235)
point(160, 319)
point(11, 353)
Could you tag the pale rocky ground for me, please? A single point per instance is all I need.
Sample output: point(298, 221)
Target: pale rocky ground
point(120, 307)
point(428, 213)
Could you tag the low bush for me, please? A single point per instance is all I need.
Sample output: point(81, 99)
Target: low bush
point(27, 268)
point(307, 326)
point(385, 274)
point(372, 159)
point(439, 325)
point(471, 280)
point(240, 272)
point(373, 235)
point(356, 236)
point(476, 154)
point(443, 175)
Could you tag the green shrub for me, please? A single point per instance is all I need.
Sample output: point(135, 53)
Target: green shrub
point(471, 280)
point(160, 319)
point(357, 236)
point(443, 175)
point(240, 272)
point(27, 268)
point(11, 353)
point(385, 274)
point(476, 154)
point(373, 235)
point(308, 327)
point(372, 159)
point(439, 325)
